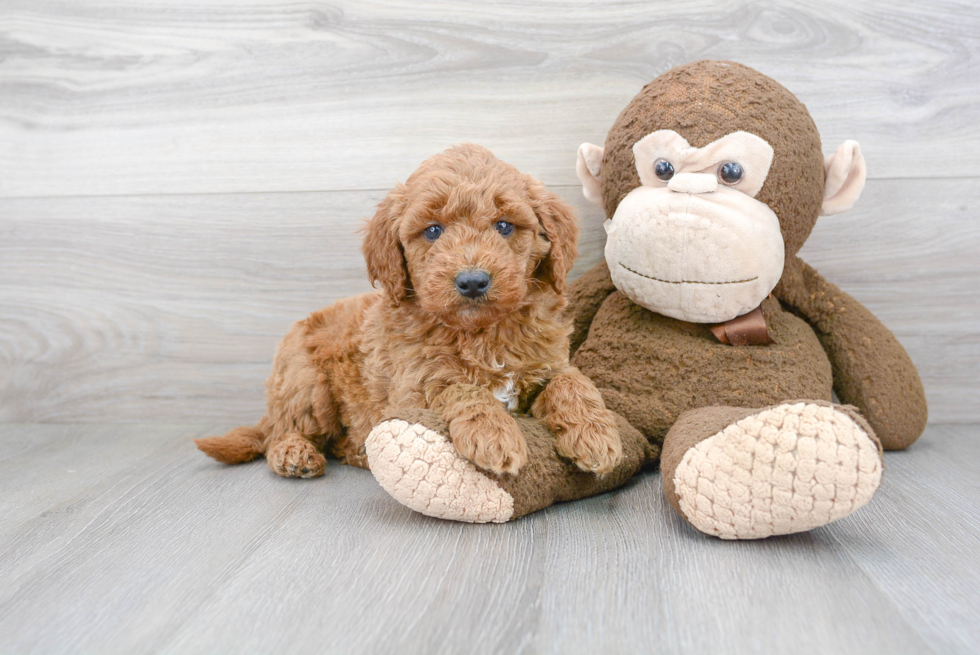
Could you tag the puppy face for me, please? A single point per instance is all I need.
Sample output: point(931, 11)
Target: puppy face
point(471, 256)
point(470, 239)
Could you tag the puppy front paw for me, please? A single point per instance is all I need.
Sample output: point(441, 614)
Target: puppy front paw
point(492, 443)
point(593, 445)
point(295, 457)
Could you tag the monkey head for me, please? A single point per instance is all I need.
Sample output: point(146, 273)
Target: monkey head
point(710, 179)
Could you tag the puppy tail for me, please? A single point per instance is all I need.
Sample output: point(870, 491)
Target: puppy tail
point(240, 445)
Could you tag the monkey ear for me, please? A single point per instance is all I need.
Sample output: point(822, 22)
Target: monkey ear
point(845, 175)
point(588, 168)
point(382, 251)
point(560, 226)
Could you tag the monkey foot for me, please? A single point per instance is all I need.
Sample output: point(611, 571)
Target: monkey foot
point(413, 459)
point(421, 469)
point(780, 470)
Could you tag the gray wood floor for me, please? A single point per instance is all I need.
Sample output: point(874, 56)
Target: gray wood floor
point(125, 539)
point(180, 181)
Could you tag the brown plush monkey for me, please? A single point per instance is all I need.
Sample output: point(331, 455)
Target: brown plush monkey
point(704, 330)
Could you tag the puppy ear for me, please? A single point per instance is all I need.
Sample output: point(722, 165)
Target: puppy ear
point(382, 250)
point(560, 227)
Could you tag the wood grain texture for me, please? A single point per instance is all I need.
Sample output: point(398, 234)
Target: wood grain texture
point(127, 97)
point(170, 552)
point(169, 308)
point(929, 520)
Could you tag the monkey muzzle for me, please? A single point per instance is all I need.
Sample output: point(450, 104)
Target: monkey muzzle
point(695, 250)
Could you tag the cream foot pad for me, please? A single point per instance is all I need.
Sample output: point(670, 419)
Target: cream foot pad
point(421, 469)
point(786, 469)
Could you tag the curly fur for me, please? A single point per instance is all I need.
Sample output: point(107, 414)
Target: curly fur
point(418, 343)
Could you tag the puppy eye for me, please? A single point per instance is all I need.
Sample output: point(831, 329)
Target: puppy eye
point(506, 229)
point(663, 169)
point(432, 232)
point(731, 172)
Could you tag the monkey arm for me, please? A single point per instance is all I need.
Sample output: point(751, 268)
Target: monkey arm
point(585, 296)
point(871, 369)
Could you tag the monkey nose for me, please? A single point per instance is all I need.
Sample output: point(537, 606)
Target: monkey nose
point(473, 283)
point(693, 183)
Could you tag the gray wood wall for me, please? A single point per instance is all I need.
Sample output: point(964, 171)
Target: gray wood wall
point(179, 181)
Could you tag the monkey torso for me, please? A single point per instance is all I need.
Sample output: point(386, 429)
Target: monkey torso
point(650, 368)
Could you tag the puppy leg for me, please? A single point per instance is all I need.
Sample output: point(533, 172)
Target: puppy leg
point(302, 418)
point(302, 414)
point(290, 453)
point(481, 429)
point(585, 430)
point(295, 456)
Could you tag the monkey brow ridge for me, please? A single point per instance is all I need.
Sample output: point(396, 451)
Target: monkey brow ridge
point(650, 277)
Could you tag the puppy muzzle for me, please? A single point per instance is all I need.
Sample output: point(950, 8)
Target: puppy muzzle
point(473, 283)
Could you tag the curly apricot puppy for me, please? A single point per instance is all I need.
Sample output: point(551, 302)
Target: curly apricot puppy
point(471, 258)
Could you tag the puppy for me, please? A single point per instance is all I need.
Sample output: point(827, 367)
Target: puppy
point(471, 258)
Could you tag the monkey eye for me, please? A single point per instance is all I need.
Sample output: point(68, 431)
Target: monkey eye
point(731, 172)
point(432, 232)
point(506, 229)
point(663, 169)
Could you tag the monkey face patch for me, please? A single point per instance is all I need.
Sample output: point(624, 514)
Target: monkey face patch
point(739, 160)
point(693, 230)
point(692, 242)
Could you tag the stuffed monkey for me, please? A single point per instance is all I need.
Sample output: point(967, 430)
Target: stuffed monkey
point(702, 328)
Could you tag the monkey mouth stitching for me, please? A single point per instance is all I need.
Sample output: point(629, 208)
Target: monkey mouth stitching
point(657, 279)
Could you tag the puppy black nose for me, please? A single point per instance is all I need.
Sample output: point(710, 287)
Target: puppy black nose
point(473, 283)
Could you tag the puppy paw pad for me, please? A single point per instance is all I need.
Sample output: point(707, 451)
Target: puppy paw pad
point(296, 457)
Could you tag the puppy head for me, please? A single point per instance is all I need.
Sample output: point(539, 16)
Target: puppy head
point(469, 239)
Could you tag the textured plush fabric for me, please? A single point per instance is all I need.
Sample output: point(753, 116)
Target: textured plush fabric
point(413, 460)
point(751, 152)
point(701, 257)
point(749, 474)
point(871, 369)
point(706, 100)
point(421, 469)
point(651, 368)
point(587, 167)
point(585, 297)
point(846, 173)
point(692, 427)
